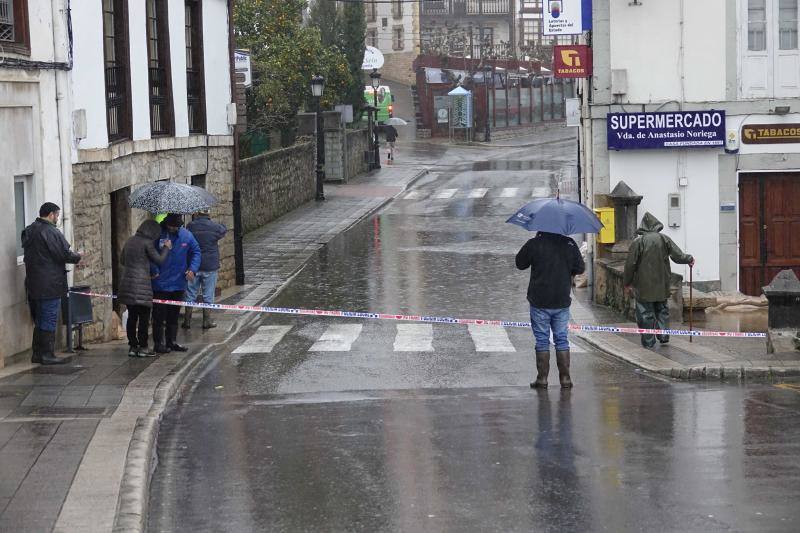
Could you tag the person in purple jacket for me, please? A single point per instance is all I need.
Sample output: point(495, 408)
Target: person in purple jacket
point(170, 281)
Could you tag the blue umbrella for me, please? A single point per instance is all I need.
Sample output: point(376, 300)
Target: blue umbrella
point(556, 215)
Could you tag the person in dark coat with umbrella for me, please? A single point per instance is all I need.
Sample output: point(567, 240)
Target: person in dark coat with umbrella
point(136, 290)
point(47, 253)
point(647, 270)
point(169, 281)
point(553, 260)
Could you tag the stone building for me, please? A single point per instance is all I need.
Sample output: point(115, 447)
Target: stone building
point(393, 28)
point(152, 95)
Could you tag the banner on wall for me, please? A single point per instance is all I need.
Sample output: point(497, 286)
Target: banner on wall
point(670, 129)
point(567, 17)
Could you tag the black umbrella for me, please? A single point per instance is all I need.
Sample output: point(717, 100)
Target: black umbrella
point(171, 197)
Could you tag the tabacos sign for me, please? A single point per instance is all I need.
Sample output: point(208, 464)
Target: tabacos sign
point(572, 61)
point(671, 129)
point(770, 133)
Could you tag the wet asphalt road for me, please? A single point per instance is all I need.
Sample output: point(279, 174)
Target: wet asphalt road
point(314, 424)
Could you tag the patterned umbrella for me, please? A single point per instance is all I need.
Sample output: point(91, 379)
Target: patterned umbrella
point(170, 197)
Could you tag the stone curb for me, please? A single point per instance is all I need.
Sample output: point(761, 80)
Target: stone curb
point(132, 502)
point(131, 514)
point(733, 371)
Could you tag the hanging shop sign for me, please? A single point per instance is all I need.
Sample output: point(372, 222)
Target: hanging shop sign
point(771, 133)
point(567, 17)
point(572, 61)
point(671, 129)
point(373, 58)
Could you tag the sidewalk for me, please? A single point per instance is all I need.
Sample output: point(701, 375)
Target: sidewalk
point(77, 441)
point(705, 358)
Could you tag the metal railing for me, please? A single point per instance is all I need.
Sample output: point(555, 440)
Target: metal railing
point(116, 102)
point(194, 92)
point(159, 101)
point(466, 7)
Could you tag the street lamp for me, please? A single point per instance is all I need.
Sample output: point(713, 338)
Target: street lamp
point(487, 78)
point(317, 87)
point(375, 80)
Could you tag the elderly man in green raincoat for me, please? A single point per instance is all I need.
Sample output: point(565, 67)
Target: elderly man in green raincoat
point(647, 271)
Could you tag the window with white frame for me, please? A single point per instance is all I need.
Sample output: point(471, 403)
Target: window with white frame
point(397, 9)
point(22, 207)
point(372, 37)
point(770, 57)
point(398, 38)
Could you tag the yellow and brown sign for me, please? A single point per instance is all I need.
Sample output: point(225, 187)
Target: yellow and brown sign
point(770, 133)
point(573, 61)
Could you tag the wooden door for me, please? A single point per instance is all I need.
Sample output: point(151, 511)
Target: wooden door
point(769, 228)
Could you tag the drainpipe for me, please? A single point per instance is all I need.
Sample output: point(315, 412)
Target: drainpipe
point(62, 112)
point(238, 251)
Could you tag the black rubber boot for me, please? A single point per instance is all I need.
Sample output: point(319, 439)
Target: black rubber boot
point(48, 344)
point(172, 334)
point(562, 360)
point(36, 346)
point(187, 317)
point(542, 370)
point(208, 323)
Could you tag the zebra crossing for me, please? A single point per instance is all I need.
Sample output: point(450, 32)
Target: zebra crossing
point(478, 192)
point(418, 338)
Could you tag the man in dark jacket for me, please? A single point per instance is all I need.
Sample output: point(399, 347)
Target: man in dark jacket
point(47, 253)
point(553, 260)
point(647, 271)
point(169, 281)
point(208, 234)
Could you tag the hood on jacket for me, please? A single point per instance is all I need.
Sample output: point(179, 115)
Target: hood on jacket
point(650, 224)
point(149, 229)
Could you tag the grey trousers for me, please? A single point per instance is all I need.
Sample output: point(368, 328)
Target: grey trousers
point(652, 315)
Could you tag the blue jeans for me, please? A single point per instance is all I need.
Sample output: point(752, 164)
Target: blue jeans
point(45, 313)
point(205, 283)
point(544, 320)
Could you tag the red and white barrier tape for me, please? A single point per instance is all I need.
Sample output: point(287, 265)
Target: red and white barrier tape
point(439, 319)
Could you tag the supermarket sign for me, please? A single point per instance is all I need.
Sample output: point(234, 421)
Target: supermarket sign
point(670, 129)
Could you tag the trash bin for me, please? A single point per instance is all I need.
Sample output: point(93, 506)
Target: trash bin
point(76, 310)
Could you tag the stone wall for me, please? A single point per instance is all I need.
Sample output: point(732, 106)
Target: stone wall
point(399, 67)
point(609, 290)
point(357, 142)
point(103, 174)
point(276, 182)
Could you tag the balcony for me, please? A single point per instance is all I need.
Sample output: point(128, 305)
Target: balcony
point(116, 102)
point(466, 7)
point(160, 118)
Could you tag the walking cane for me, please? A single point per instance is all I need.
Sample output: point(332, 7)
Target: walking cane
point(691, 303)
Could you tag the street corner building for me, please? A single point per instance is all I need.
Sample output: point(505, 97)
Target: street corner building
point(693, 108)
point(96, 99)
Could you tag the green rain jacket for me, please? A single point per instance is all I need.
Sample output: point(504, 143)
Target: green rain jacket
point(647, 267)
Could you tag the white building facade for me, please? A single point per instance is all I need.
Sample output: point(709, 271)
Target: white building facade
point(151, 96)
point(96, 98)
point(736, 205)
point(35, 129)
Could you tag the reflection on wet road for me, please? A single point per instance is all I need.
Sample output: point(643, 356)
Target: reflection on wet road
point(321, 424)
